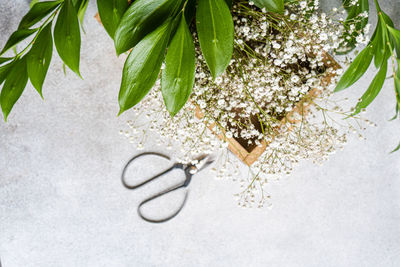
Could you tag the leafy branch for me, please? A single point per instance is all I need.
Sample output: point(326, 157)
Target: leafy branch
point(384, 44)
point(33, 61)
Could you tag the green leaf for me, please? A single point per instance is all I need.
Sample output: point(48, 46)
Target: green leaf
point(67, 36)
point(77, 4)
point(397, 86)
point(5, 59)
point(387, 19)
point(141, 18)
point(39, 57)
point(142, 67)
point(82, 10)
point(356, 69)
point(229, 3)
point(378, 8)
point(380, 43)
point(388, 23)
point(111, 12)
point(190, 11)
point(37, 13)
point(215, 30)
point(4, 71)
point(276, 6)
point(17, 37)
point(373, 90)
point(396, 114)
point(178, 76)
point(396, 37)
point(33, 2)
point(396, 149)
point(13, 86)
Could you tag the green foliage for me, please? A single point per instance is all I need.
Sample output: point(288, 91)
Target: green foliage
point(4, 71)
point(82, 10)
point(39, 57)
point(373, 90)
point(396, 149)
point(384, 44)
point(397, 88)
point(215, 29)
point(141, 18)
point(229, 3)
point(111, 13)
point(33, 61)
point(396, 38)
point(37, 12)
point(379, 43)
point(356, 69)
point(380, 49)
point(17, 37)
point(33, 2)
point(178, 76)
point(67, 36)
point(142, 66)
point(276, 6)
point(17, 77)
point(4, 59)
point(190, 10)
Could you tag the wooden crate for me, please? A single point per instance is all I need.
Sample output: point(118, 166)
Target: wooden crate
point(302, 107)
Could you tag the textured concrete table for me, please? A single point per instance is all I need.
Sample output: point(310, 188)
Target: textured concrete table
point(62, 203)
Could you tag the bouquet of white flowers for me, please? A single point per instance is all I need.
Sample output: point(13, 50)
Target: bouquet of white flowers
point(264, 106)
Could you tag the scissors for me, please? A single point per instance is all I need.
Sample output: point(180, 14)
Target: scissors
point(188, 169)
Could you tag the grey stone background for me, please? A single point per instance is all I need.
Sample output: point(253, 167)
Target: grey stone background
point(62, 203)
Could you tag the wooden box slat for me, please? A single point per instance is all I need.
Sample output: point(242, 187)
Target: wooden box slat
point(302, 107)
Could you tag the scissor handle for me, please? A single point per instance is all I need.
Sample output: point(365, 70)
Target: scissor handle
point(129, 186)
point(169, 190)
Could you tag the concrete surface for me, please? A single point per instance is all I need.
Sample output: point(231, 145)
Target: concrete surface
point(62, 203)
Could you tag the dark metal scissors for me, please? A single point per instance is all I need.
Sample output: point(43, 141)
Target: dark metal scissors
point(188, 169)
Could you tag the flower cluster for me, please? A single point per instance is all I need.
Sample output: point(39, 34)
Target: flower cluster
point(280, 66)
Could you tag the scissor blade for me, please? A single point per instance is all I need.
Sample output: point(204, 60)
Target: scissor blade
point(205, 165)
point(204, 161)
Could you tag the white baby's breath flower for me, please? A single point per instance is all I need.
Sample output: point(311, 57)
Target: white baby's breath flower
point(295, 78)
point(323, 37)
point(360, 38)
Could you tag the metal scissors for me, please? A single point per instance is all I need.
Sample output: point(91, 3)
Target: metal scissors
point(188, 169)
